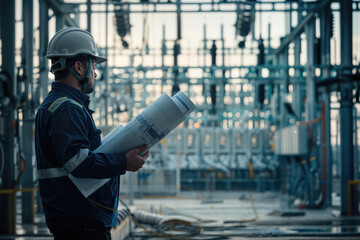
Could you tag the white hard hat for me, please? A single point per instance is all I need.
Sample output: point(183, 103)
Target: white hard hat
point(71, 42)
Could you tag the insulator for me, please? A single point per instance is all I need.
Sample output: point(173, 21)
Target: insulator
point(332, 21)
point(177, 49)
point(125, 44)
point(213, 53)
point(213, 98)
point(163, 49)
point(317, 51)
point(261, 56)
point(241, 44)
point(122, 19)
point(147, 49)
point(244, 19)
point(261, 93)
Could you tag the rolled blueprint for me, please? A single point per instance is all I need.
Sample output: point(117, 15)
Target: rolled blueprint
point(149, 127)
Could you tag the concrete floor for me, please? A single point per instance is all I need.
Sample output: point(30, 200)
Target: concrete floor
point(231, 216)
point(228, 215)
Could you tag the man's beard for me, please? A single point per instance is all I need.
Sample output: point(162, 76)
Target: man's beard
point(89, 88)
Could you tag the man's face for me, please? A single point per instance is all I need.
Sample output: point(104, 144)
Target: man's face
point(93, 75)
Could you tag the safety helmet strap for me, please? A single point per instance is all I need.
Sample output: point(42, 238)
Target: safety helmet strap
point(86, 79)
point(55, 66)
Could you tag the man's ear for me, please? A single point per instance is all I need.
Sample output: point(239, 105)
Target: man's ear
point(78, 67)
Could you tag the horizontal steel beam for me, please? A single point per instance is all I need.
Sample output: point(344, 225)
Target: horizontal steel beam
point(206, 7)
point(298, 30)
point(58, 9)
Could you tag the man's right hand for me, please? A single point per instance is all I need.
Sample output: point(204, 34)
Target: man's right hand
point(134, 160)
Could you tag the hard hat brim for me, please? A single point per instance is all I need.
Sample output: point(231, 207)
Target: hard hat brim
point(100, 60)
point(97, 58)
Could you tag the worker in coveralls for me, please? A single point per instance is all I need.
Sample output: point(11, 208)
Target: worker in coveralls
point(65, 138)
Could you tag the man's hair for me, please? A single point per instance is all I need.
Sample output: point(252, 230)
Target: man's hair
point(62, 74)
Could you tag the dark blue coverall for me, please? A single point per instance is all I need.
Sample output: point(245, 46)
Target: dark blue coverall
point(65, 137)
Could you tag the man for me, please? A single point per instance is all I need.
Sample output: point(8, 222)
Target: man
point(65, 137)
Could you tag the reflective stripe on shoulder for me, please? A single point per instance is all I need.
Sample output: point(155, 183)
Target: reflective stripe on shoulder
point(57, 103)
point(68, 167)
point(76, 103)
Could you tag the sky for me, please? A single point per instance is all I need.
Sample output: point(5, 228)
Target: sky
point(192, 26)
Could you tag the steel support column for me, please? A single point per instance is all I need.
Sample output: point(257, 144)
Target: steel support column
point(131, 176)
point(299, 29)
point(177, 47)
point(60, 22)
point(43, 64)
point(298, 86)
point(325, 18)
point(284, 87)
point(61, 15)
point(221, 105)
point(44, 39)
point(88, 15)
point(204, 85)
point(106, 68)
point(310, 106)
point(28, 114)
point(7, 213)
point(346, 109)
point(163, 53)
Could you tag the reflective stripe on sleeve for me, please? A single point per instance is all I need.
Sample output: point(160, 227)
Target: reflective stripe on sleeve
point(52, 173)
point(68, 167)
point(76, 160)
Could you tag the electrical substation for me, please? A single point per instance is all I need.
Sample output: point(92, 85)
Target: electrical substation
point(272, 149)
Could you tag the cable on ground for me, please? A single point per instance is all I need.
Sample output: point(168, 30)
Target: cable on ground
point(161, 223)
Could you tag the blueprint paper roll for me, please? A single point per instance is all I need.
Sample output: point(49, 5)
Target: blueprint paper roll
point(184, 103)
point(149, 127)
point(111, 134)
